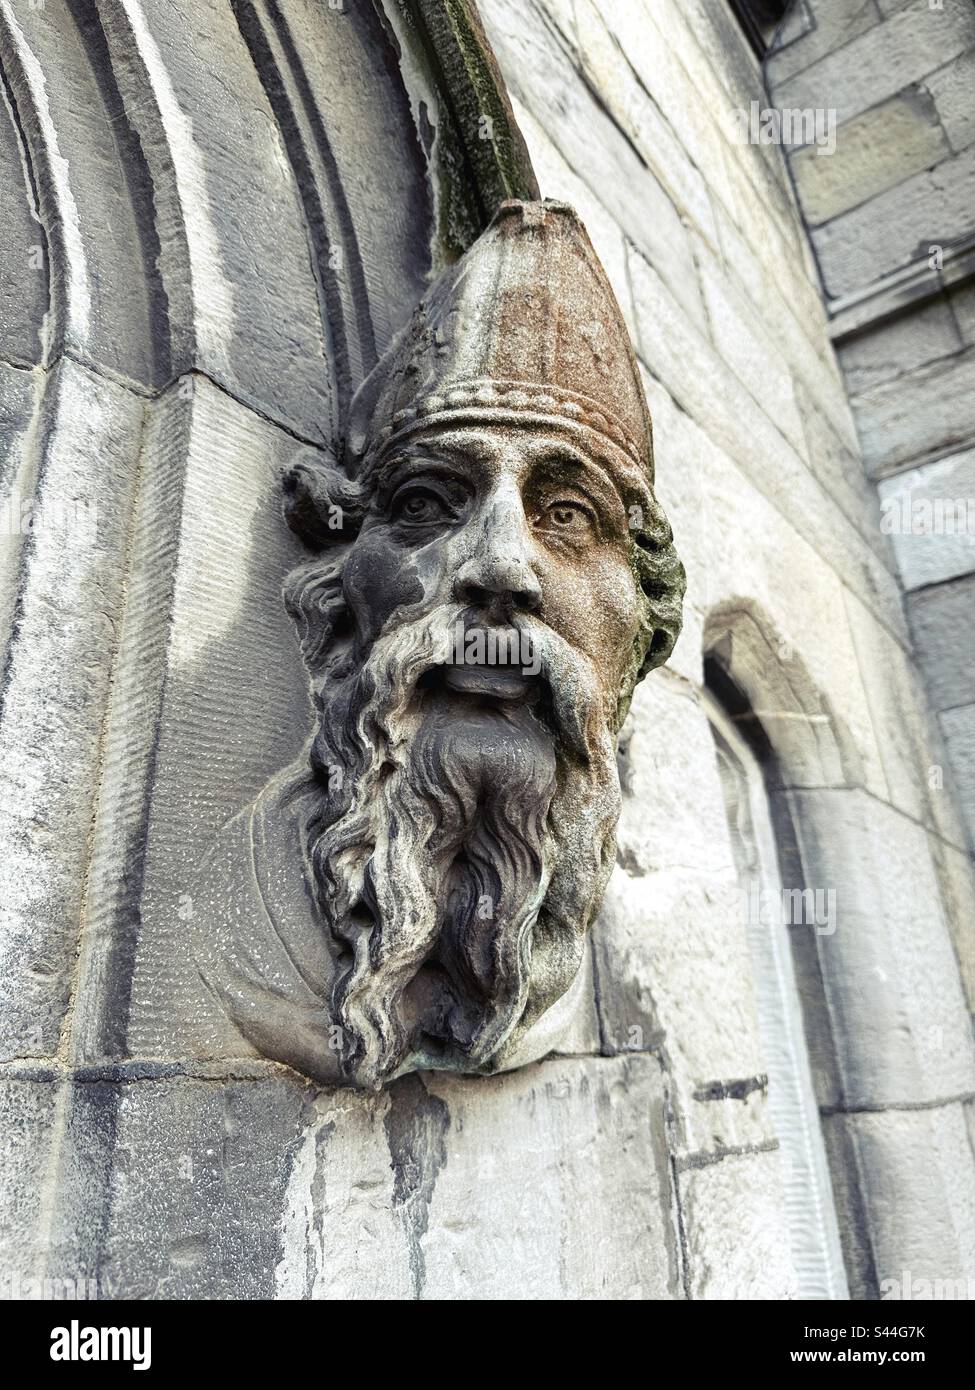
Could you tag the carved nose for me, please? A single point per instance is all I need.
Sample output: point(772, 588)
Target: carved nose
point(499, 572)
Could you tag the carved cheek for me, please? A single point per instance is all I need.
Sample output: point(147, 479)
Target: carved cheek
point(378, 579)
point(595, 607)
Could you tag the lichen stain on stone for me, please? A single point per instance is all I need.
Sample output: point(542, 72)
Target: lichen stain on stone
point(416, 1126)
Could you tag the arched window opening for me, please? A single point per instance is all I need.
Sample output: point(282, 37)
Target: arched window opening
point(759, 19)
point(779, 912)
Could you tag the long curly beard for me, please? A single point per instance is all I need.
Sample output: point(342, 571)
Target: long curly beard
point(460, 849)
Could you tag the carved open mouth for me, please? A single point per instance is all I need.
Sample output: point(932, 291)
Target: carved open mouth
point(488, 682)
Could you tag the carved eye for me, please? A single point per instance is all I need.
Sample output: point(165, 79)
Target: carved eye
point(420, 505)
point(566, 517)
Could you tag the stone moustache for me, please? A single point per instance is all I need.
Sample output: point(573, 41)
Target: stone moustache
point(416, 891)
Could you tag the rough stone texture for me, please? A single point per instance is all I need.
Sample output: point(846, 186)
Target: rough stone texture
point(196, 139)
point(891, 219)
point(920, 1161)
point(874, 152)
point(865, 63)
point(937, 503)
point(919, 416)
point(910, 1040)
point(929, 333)
point(931, 209)
point(64, 585)
point(738, 1246)
point(958, 726)
point(951, 88)
point(28, 1109)
point(940, 617)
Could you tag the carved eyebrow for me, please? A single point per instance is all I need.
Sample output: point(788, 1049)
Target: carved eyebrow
point(584, 466)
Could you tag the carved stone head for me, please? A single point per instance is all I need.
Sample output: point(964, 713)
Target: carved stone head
point(492, 576)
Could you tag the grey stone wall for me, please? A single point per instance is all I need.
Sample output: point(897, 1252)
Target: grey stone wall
point(629, 112)
point(891, 215)
point(185, 172)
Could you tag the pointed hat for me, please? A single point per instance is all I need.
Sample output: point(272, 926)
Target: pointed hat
point(523, 328)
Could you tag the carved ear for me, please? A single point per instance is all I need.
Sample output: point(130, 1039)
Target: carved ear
point(320, 504)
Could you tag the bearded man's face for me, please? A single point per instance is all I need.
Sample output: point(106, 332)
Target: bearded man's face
point(492, 618)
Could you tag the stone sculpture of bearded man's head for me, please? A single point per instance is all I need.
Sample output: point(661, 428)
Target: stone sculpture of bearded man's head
point(492, 576)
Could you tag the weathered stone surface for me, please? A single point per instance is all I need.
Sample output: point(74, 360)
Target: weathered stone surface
point(672, 930)
point(920, 415)
point(874, 152)
point(28, 1111)
point(195, 1174)
point(951, 88)
point(956, 874)
point(700, 383)
point(880, 60)
point(918, 1200)
point(959, 731)
point(847, 1183)
point(386, 1195)
point(742, 339)
point(542, 77)
point(793, 314)
point(736, 1241)
point(905, 224)
point(801, 40)
point(940, 617)
point(900, 1022)
point(66, 559)
point(902, 345)
point(208, 660)
point(931, 511)
point(24, 266)
point(906, 732)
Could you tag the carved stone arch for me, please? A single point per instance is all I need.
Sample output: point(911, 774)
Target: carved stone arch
point(867, 1038)
point(810, 744)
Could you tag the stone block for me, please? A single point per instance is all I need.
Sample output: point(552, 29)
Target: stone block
point(847, 1184)
point(813, 30)
point(958, 726)
point(541, 75)
point(931, 513)
point(704, 387)
point(743, 341)
point(874, 151)
point(907, 735)
point(951, 88)
point(880, 60)
point(575, 1155)
point(28, 1112)
point(940, 620)
point(881, 353)
point(608, 63)
point(911, 1195)
point(921, 415)
point(900, 1020)
point(956, 875)
point(672, 931)
point(737, 1244)
point(74, 485)
point(387, 1195)
point(209, 699)
point(899, 227)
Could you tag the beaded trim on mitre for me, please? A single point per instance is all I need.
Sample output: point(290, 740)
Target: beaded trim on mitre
point(517, 396)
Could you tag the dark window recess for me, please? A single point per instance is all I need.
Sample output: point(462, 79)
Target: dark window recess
point(759, 19)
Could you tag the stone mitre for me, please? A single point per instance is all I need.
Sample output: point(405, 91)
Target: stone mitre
point(524, 328)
